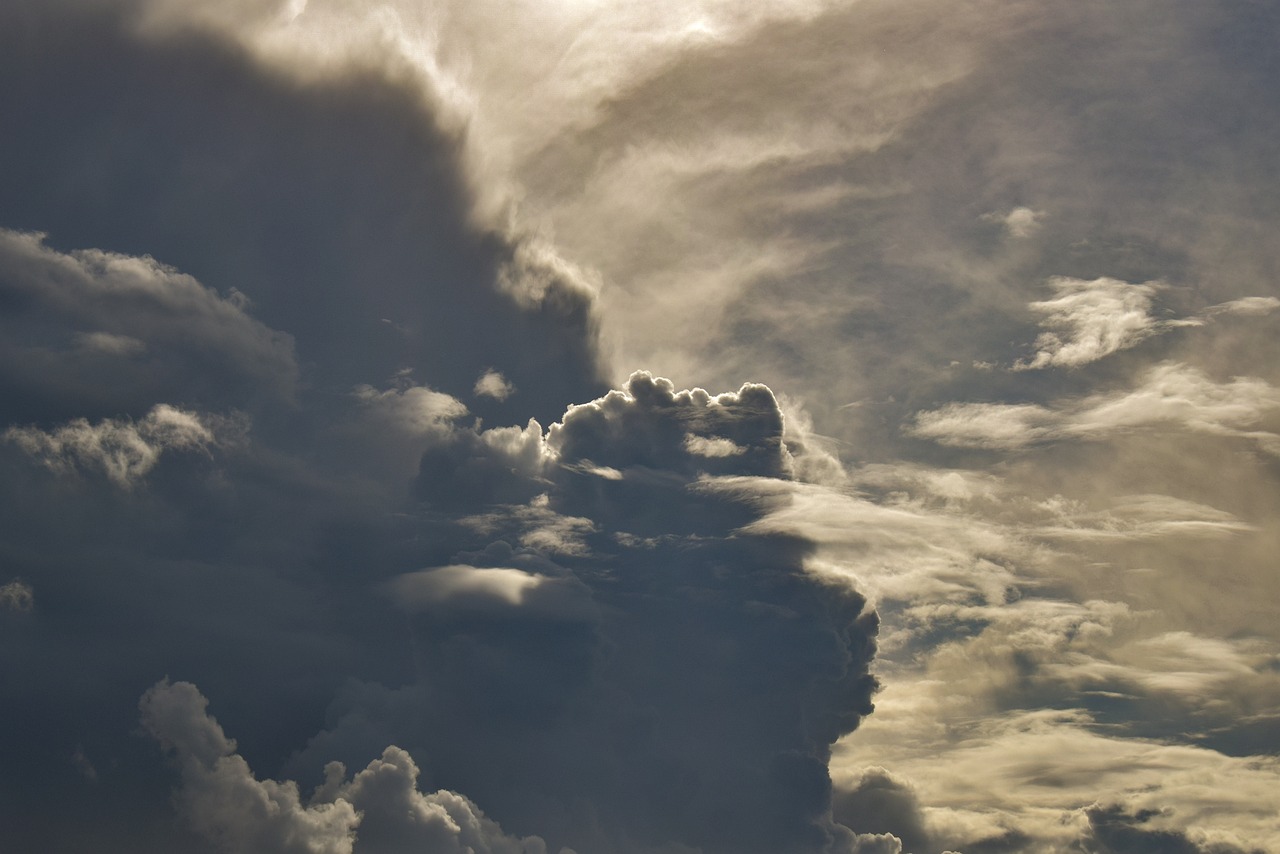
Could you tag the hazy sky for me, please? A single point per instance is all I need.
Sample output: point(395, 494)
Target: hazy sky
point(603, 427)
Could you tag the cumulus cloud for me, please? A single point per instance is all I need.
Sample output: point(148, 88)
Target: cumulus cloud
point(649, 424)
point(1170, 397)
point(221, 797)
point(629, 603)
point(379, 811)
point(125, 451)
point(554, 621)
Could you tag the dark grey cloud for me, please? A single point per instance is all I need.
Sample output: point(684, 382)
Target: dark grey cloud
point(379, 811)
point(238, 303)
point(664, 682)
point(337, 204)
point(1115, 830)
point(92, 333)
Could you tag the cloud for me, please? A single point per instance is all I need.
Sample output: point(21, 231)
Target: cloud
point(874, 801)
point(114, 329)
point(221, 797)
point(379, 811)
point(1090, 320)
point(635, 604)
point(493, 384)
point(539, 527)
point(17, 595)
point(124, 451)
point(1170, 397)
point(1021, 222)
point(554, 621)
point(1247, 306)
point(352, 238)
point(1024, 774)
point(649, 424)
point(712, 447)
point(414, 410)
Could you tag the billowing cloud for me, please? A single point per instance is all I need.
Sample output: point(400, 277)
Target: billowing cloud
point(630, 603)
point(379, 811)
point(414, 247)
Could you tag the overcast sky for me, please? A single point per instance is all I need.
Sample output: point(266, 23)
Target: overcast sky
point(605, 427)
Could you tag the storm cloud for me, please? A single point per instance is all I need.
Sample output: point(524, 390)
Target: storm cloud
point(556, 427)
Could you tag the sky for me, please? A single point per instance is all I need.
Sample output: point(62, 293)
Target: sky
point(603, 427)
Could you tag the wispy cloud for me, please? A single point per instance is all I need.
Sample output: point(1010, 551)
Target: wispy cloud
point(1170, 397)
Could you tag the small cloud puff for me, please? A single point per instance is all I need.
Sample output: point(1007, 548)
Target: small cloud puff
point(17, 595)
point(495, 385)
point(1019, 222)
point(462, 589)
point(712, 446)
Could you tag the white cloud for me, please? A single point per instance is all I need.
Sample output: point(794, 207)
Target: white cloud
point(125, 451)
point(1089, 320)
point(446, 584)
point(1171, 397)
point(1036, 772)
point(222, 799)
point(1247, 306)
point(712, 446)
point(495, 385)
point(415, 410)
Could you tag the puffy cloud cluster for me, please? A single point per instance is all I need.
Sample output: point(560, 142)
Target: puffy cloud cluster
point(619, 619)
point(379, 811)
